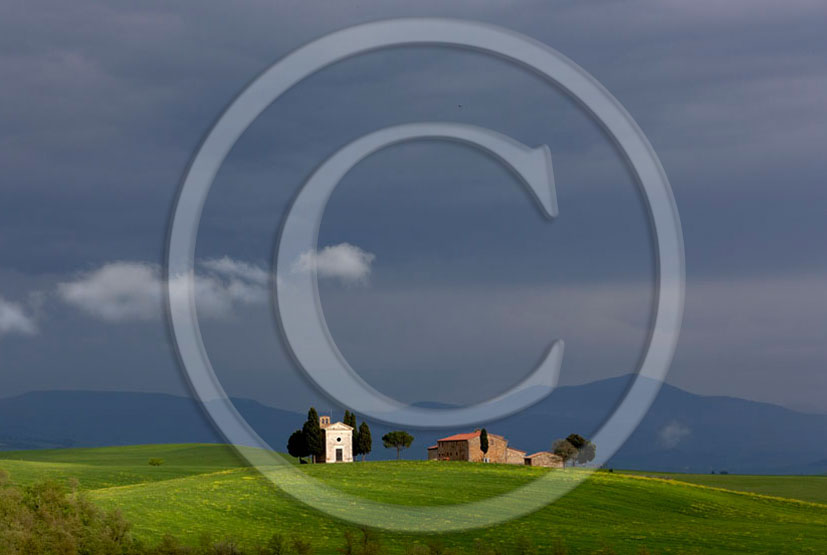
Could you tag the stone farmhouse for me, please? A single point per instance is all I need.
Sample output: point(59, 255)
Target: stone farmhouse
point(338, 442)
point(466, 447)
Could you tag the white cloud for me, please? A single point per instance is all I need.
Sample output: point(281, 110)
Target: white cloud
point(230, 268)
point(13, 319)
point(344, 261)
point(134, 291)
point(243, 282)
point(212, 297)
point(116, 291)
point(128, 291)
point(672, 434)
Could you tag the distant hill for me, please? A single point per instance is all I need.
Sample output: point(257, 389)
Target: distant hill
point(51, 419)
point(46, 419)
point(682, 432)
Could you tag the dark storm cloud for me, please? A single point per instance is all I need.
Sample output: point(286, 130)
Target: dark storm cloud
point(102, 105)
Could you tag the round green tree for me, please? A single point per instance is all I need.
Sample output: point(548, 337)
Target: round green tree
point(398, 439)
point(564, 449)
point(297, 445)
point(586, 453)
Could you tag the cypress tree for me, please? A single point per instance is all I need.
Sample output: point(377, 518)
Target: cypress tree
point(350, 420)
point(484, 442)
point(313, 434)
point(365, 442)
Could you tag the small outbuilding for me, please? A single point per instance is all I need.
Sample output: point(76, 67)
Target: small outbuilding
point(545, 459)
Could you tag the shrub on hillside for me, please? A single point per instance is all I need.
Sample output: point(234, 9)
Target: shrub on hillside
point(302, 546)
point(363, 543)
point(524, 546)
point(276, 545)
point(48, 517)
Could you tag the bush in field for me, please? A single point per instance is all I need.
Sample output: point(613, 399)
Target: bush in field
point(276, 545)
point(523, 546)
point(156, 462)
point(47, 517)
point(302, 546)
point(225, 547)
point(436, 547)
point(363, 543)
point(486, 548)
point(432, 547)
point(559, 548)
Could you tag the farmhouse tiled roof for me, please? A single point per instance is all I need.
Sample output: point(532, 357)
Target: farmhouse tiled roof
point(469, 435)
point(461, 437)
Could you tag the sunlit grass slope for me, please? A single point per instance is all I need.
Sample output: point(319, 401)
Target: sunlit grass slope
point(204, 489)
point(116, 466)
point(807, 488)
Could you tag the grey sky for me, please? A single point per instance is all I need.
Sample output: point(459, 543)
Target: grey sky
point(103, 104)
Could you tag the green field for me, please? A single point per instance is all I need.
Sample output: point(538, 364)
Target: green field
point(806, 488)
point(205, 489)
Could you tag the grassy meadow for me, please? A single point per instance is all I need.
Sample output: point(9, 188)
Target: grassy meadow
point(806, 488)
point(206, 489)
